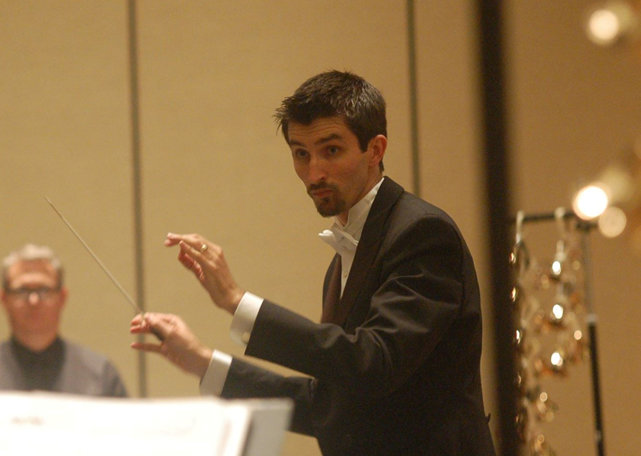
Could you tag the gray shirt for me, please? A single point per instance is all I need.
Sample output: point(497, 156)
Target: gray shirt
point(62, 367)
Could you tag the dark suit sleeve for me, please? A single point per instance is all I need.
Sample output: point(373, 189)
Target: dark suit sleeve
point(416, 294)
point(248, 380)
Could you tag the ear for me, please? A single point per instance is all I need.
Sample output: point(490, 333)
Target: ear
point(377, 146)
point(64, 292)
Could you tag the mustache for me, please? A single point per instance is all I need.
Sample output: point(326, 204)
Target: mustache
point(320, 186)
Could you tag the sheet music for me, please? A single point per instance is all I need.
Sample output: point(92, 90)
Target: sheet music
point(45, 423)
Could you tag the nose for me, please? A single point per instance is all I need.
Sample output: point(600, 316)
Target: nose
point(34, 297)
point(316, 171)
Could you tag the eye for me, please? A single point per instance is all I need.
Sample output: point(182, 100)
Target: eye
point(300, 154)
point(333, 150)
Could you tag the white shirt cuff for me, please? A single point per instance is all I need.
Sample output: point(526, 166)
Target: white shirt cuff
point(216, 374)
point(244, 318)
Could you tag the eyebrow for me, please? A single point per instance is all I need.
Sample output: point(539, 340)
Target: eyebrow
point(322, 140)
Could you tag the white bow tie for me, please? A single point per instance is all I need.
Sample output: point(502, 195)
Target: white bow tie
point(339, 239)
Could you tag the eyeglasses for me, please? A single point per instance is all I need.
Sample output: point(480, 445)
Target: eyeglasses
point(23, 294)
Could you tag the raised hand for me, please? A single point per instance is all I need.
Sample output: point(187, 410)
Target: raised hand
point(207, 262)
point(178, 344)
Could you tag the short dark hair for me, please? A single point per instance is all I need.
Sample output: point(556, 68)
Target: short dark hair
point(336, 93)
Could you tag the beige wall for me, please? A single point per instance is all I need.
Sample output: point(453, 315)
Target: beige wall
point(64, 133)
point(211, 74)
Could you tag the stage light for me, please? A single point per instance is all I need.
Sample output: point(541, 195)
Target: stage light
point(612, 222)
point(613, 22)
point(613, 198)
point(591, 201)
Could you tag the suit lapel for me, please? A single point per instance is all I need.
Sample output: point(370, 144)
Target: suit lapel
point(332, 291)
point(369, 245)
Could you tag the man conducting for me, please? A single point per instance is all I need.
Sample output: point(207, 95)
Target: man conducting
point(36, 357)
point(392, 368)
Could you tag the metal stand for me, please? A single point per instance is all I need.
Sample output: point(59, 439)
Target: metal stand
point(591, 319)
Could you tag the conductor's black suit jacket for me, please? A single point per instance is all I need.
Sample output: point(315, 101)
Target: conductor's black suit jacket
point(400, 375)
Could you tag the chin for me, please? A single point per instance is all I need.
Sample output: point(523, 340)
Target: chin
point(328, 208)
point(324, 212)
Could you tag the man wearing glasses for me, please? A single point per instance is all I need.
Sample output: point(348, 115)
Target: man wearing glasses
point(35, 357)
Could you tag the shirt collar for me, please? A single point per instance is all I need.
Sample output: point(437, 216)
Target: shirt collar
point(345, 238)
point(358, 214)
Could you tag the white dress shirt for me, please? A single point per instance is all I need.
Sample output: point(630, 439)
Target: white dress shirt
point(343, 238)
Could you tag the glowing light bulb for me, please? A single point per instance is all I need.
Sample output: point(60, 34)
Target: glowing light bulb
point(612, 222)
point(591, 201)
point(603, 26)
point(611, 23)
